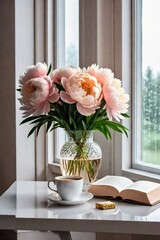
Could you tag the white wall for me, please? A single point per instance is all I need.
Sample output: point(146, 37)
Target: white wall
point(24, 56)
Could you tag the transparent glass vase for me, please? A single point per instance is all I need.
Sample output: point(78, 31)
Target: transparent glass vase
point(80, 155)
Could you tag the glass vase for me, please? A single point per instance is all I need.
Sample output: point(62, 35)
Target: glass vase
point(80, 155)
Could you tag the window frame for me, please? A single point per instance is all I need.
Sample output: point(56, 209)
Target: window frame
point(56, 139)
point(137, 89)
point(89, 20)
point(122, 156)
point(60, 136)
point(125, 148)
point(119, 58)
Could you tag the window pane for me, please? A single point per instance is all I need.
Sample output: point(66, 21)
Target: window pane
point(68, 49)
point(150, 84)
point(71, 32)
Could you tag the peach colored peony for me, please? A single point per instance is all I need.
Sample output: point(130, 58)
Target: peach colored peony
point(103, 75)
point(83, 89)
point(116, 99)
point(37, 90)
point(73, 99)
point(57, 74)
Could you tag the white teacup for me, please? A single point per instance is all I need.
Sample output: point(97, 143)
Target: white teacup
point(69, 188)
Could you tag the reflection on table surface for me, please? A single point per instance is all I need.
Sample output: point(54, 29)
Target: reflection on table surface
point(30, 200)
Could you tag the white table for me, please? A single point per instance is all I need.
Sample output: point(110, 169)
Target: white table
point(24, 207)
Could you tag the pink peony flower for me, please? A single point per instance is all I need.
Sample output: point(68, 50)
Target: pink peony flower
point(103, 75)
point(83, 89)
point(116, 99)
point(37, 90)
point(57, 74)
point(40, 69)
point(90, 90)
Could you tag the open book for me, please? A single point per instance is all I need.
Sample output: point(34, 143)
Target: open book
point(143, 192)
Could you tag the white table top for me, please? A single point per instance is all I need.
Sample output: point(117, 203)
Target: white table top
point(24, 206)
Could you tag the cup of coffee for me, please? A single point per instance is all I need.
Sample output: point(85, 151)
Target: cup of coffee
point(69, 188)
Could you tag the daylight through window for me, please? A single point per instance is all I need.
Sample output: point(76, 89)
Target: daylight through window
point(147, 85)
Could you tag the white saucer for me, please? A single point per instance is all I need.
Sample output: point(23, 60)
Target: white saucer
point(84, 197)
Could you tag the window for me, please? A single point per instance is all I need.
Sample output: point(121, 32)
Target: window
point(146, 96)
point(52, 38)
point(68, 49)
point(99, 40)
point(97, 45)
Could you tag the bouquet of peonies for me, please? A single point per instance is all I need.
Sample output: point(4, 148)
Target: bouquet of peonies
point(73, 99)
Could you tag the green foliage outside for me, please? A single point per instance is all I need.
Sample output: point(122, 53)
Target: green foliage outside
point(151, 118)
point(151, 148)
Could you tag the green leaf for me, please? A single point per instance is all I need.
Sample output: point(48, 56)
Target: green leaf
point(45, 118)
point(125, 115)
point(105, 131)
point(49, 123)
point(49, 69)
point(32, 131)
point(56, 125)
point(59, 86)
point(79, 121)
point(118, 127)
point(84, 125)
point(72, 123)
point(38, 127)
point(28, 119)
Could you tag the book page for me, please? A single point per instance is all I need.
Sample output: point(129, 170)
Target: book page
point(117, 182)
point(144, 186)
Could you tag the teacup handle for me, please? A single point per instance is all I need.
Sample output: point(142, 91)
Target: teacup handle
point(50, 186)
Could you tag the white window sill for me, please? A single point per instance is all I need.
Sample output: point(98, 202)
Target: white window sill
point(139, 175)
point(134, 174)
point(54, 168)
